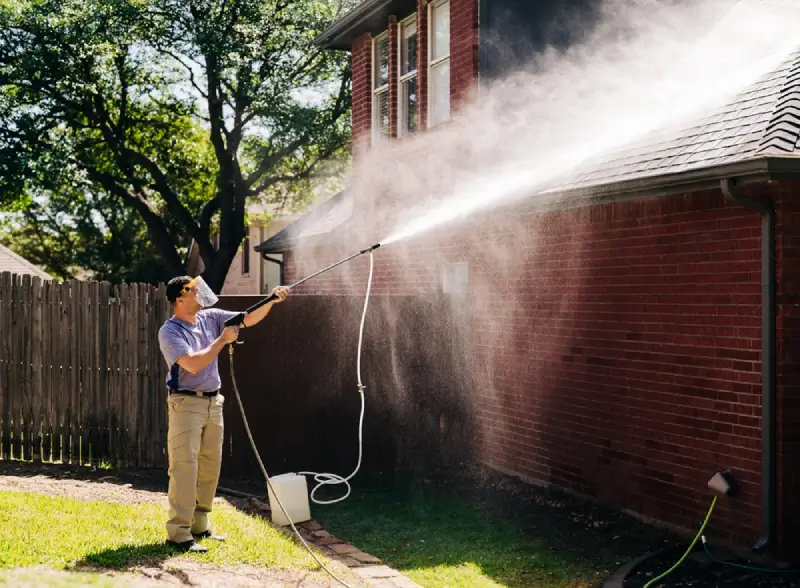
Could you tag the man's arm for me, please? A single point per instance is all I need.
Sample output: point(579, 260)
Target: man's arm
point(196, 361)
point(177, 350)
point(259, 314)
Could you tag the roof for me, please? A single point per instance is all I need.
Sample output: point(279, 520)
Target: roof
point(16, 264)
point(370, 16)
point(320, 220)
point(753, 137)
point(761, 121)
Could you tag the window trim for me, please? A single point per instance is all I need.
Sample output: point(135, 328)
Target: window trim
point(402, 78)
point(433, 63)
point(376, 92)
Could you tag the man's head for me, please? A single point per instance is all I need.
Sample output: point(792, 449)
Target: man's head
point(190, 294)
point(182, 294)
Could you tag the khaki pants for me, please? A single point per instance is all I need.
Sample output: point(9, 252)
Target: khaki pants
point(194, 445)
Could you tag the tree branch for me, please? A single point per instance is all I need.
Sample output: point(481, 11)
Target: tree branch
point(155, 226)
point(210, 208)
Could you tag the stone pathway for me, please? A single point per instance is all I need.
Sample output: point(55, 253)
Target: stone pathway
point(371, 569)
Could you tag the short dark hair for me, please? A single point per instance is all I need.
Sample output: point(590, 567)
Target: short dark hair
point(175, 287)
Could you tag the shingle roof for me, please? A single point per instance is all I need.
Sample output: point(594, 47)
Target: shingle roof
point(321, 219)
point(762, 120)
point(16, 264)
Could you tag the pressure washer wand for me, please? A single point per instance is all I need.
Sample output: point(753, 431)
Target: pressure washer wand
point(237, 320)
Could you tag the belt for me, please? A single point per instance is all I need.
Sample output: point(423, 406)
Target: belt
point(194, 393)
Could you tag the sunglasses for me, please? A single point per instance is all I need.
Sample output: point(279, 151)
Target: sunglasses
point(188, 287)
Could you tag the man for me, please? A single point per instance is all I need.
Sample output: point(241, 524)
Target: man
point(191, 341)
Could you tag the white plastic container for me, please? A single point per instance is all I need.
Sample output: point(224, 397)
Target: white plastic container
point(292, 490)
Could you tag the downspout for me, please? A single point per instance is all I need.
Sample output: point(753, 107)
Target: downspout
point(769, 510)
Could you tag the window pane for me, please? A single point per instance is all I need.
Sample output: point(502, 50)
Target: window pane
point(382, 114)
point(441, 31)
point(440, 93)
point(409, 48)
point(410, 105)
point(381, 62)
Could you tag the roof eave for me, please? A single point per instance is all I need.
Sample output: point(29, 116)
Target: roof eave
point(760, 169)
point(341, 33)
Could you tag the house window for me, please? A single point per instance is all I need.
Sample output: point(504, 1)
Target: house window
point(380, 88)
point(246, 255)
point(439, 64)
point(408, 94)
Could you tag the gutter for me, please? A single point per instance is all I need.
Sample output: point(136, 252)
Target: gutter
point(769, 510)
point(351, 19)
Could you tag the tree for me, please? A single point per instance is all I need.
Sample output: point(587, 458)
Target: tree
point(179, 110)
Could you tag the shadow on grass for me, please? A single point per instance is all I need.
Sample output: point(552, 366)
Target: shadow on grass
point(515, 534)
point(127, 557)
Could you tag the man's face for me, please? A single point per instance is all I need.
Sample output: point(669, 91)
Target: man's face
point(188, 300)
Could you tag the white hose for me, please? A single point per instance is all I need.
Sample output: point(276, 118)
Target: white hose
point(323, 479)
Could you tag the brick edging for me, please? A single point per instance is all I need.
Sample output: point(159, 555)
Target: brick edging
point(369, 568)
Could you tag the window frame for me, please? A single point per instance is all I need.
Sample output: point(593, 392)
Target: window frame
point(403, 78)
point(434, 63)
point(377, 137)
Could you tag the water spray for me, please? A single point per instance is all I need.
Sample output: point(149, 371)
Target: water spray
point(321, 478)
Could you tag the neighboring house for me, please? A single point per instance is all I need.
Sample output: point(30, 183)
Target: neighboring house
point(652, 328)
point(252, 273)
point(16, 264)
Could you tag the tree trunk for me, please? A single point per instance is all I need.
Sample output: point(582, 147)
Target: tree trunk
point(214, 275)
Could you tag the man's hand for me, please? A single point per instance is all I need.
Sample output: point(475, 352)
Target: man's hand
point(255, 317)
point(281, 292)
point(229, 334)
point(196, 361)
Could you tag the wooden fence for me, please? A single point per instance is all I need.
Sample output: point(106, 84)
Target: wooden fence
point(83, 381)
point(81, 373)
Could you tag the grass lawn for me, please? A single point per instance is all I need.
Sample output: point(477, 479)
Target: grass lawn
point(65, 533)
point(442, 535)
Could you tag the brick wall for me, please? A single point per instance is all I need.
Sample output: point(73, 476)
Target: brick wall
point(422, 58)
point(362, 93)
point(630, 367)
point(464, 61)
point(616, 350)
point(394, 75)
point(464, 46)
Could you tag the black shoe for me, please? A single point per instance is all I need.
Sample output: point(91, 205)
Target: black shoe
point(208, 535)
point(189, 545)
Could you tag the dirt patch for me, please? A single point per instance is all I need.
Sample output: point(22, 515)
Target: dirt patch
point(176, 573)
point(83, 483)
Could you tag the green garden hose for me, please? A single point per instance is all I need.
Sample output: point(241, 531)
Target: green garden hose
point(688, 551)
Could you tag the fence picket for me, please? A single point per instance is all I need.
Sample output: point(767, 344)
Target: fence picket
point(5, 358)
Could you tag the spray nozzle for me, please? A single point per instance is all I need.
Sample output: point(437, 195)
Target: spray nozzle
point(368, 249)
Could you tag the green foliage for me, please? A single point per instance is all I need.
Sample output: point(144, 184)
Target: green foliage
point(180, 112)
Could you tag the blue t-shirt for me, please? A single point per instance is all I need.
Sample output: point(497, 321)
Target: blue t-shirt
point(177, 338)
